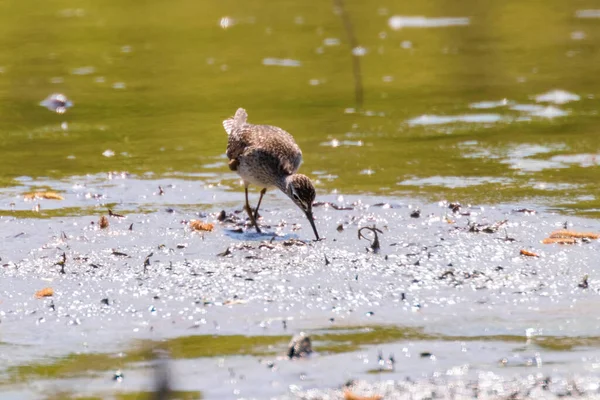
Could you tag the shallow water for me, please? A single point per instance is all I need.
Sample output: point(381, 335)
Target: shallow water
point(436, 286)
point(493, 105)
point(450, 91)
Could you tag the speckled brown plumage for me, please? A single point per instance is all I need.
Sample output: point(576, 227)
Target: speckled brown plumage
point(262, 154)
point(267, 156)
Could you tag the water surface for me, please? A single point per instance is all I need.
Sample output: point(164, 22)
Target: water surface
point(450, 91)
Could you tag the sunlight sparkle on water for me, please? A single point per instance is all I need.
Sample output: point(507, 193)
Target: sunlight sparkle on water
point(449, 119)
point(281, 62)
point(557, 97)
point(399, 22)
point(57, 102)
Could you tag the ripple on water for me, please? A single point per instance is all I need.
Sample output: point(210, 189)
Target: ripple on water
point(587, 14)
point(583, 160)
point(490, 104)
point(450, 119)
point(281, 62)
point(453, 182)
point(536, 110)
point(557, 97)
point(519, 157)
point(550, 112)
point(554, 186)
point(83, 70)
point(338, 143)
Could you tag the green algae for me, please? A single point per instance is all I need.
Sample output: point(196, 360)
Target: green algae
point(327, 341)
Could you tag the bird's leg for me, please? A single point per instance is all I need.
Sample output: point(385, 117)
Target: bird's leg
point(249, 211)
point(262, 193)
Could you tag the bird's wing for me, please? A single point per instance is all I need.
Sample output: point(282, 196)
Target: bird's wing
point(265, 142)
point(237, 142)
point(281, 165)
point(236, 121)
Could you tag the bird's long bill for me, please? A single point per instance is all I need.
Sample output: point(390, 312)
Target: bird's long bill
point(309, 215)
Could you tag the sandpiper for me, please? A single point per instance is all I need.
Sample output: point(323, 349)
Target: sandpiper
point(268, 156)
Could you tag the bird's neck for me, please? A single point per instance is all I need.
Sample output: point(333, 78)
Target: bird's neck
point(284, 183)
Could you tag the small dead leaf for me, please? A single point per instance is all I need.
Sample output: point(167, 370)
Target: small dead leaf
point(528, 253)
point(44, 195)
point(201, 226)
point(551, 240)
point(348, 395)
point(45, 292)
point(103, 222)
point(563, 233)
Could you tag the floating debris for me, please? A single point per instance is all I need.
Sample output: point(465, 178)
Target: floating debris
point(118, 376)
point(226, 253)
point(559, 241)
point(45, 292)
point(528, 253)
point(348, 395)
point(415, 214)
point(103, 222)
point(43, 195)
point(62, 263)
point(375, 246)
point(113, 214)
point(486, 228)
point(584, 283)
point(574, 234)
point(527, 211)
point(198, 225)
point(147, 262)
point(57, 102)
point(300, 346)
point(332, 205)
point(455, 207)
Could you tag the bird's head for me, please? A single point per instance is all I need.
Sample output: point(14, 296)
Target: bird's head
point(302, 192)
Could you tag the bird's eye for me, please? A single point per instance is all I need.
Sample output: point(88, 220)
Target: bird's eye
point(296, 197)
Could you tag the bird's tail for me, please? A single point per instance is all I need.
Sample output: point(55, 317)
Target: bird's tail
point(237, 120)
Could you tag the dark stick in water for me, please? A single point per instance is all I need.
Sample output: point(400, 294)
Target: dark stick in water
point(358, 86)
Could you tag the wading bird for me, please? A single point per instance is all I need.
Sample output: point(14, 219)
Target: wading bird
point(268, 156)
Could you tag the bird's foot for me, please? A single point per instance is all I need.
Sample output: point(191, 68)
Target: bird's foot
point(252, 219)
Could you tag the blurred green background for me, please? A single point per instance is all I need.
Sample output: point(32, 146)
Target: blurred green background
point(152, 81)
